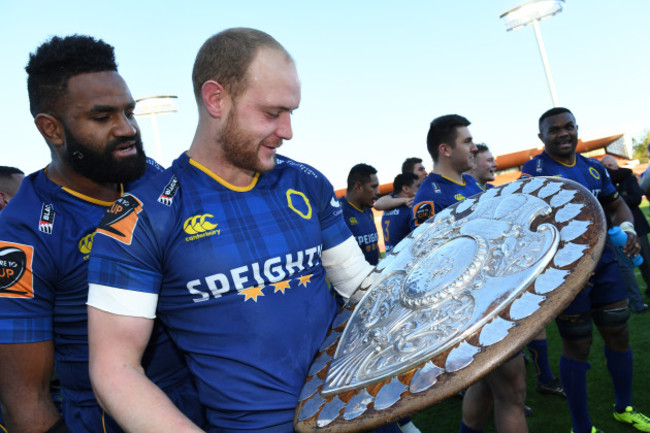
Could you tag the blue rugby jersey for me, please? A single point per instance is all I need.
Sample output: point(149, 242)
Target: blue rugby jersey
point(589, 173)
point(46, 235)
point(438, 192)
point(396, 225)
point(362, 225)
point(235, 274)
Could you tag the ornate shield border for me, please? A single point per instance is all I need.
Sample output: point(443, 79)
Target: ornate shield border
point(337, 399)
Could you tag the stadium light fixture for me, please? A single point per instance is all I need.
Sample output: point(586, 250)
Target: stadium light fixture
point(152, 106)
point(532, 13)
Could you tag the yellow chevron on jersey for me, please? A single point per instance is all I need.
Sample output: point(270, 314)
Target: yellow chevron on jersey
point(199, 224)
point(459, 197)
point(86, 244)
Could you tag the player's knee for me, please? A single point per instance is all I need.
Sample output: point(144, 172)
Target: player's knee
point(612, 317)
point(575, 326)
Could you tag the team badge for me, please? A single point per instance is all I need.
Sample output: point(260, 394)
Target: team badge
point(16, 278)
point(86, 243)
point(353, 221)
point(594, 173)
point(46, 222)
point(459, 197)
point(120, 219)
point(169, 192)
point(299, 203)
point(422, 212)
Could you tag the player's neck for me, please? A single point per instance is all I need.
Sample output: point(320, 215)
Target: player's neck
point(213, 160)
point(448, 172)
point(355, 203)
point(65, 176)
point(566, 160)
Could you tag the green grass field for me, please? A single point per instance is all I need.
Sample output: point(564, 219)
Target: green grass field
point(551, 413)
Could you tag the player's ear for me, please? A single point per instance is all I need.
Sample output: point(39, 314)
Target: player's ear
point(214, 96)
point(50, 128)
point(444, 149)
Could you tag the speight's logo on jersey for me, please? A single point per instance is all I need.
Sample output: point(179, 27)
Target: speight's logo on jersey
point(121, 218)
point(199, 226)
point(169, 192)
point(16, 280)
point(46, 223)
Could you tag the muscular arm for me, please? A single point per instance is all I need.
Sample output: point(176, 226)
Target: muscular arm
point(389, 202)
point(25, 386)
point(618, 212)
point(119, 382)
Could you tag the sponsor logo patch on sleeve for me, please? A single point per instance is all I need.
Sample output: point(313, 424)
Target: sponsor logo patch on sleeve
point(16, 278)
point(422, 212)
point(121, 218)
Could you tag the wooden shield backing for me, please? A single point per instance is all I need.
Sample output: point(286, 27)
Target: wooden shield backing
point(460, 295)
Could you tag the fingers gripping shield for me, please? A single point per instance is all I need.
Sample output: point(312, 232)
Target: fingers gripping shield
point(457, 297)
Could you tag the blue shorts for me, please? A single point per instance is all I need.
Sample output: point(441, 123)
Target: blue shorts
point(93, 419)
point(606, 286)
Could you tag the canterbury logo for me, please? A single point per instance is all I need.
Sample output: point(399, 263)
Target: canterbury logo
point(198, 224)
point(86, 243)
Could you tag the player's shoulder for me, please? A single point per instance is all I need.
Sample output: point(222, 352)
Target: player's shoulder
point(33, 204)
point(288, 167)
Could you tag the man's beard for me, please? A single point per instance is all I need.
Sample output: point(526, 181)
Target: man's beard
point(241, 150)
point(103, 167)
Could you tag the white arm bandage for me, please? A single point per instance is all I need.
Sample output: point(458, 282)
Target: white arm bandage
point(346, 266)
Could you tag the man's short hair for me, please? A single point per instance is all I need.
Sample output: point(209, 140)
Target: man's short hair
point(481, 147)
point(402, 180)
point(6, 171)
point(443, 130)
point(408, 166)
point(226, 57)
point(59, 59)
point(360, 173)
point(552, 112)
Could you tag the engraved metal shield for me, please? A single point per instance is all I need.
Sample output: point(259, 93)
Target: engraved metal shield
point(460, 295)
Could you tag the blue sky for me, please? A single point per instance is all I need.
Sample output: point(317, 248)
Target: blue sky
point(374, 73)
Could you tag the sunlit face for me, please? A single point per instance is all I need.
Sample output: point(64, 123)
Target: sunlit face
point(462, 154)
point(101, 137)
point(260, 118)
point(559, 134)
point(412, 189)
point(485, 167)
point(368, 192)
point(420, 171)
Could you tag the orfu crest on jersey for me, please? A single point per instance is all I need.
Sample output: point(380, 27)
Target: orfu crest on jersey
point(16, 279)
point(423, 211)
point(120, 219)
point(299, 203)
point(169, 192)
point(594, 173)
point(200, 226)
point(46, 222)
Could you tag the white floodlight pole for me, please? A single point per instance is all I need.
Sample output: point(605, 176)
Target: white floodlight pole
point(531, 13)
point(152, 106)
point(547, 69)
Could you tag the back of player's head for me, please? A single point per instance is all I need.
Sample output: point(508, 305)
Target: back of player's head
point(408, 166)
point(481, 147)
point(58, 60)
point(402, 180)
point(6, 171)
point(360, 173)
point(443, 130)
point(552, 112)
point(226, 57)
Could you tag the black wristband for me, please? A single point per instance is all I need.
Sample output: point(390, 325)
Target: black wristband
point(59, 427)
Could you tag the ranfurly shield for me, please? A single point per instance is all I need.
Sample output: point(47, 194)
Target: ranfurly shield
point(461, 294)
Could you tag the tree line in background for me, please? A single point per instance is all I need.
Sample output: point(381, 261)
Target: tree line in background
point(640, 147)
